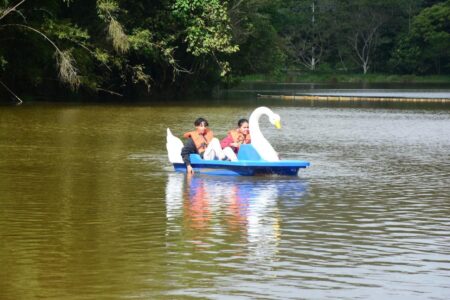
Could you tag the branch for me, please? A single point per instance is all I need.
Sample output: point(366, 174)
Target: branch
point(35, 30)
point(235, 6)
point(11, 9)
point(12, 93)
point(110, 92)
point(67, 70)
point(90, 52)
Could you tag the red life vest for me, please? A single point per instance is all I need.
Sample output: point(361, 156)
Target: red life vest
point(201, 141)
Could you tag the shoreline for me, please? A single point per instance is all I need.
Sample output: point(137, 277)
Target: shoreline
point(343, 98)
point(334, 78)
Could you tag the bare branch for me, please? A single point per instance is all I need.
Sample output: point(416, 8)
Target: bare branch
point(67, 70)
point(19, 101)
point(236, 5)
point(11, 9)
point(109, 91)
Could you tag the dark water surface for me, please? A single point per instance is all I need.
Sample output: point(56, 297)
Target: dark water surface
point(91, 209)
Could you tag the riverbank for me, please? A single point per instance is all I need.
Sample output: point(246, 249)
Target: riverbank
point(298, 77)
point(344, 98)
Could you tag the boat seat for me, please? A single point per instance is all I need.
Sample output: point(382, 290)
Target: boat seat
point(248, 152)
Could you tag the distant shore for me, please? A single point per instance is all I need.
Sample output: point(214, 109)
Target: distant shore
point(298, 77)
point(354, 98)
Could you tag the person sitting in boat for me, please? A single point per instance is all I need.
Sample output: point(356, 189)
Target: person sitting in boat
point(201, 141)
point(235, 138)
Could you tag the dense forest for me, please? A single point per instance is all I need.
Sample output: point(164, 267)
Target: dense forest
point(134, 49)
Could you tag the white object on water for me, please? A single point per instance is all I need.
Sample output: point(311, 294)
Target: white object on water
point(259, 142)
point(174, 146)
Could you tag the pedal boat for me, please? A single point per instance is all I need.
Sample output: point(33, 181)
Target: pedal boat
point(257, 158)
point(249, 163)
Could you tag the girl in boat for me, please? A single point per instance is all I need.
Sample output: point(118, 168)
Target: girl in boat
point(235, 138)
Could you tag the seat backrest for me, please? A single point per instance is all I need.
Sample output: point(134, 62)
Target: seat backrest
point(195, 158)
point(248, 152)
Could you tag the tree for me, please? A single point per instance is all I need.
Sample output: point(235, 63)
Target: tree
point(304, 41)
point(260, 47)
point(424, 49)
point(362, 30)
point(112, 46)
point(67, 70)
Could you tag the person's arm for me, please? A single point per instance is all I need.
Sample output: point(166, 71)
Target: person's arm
point(189, 148)
point(226, 142)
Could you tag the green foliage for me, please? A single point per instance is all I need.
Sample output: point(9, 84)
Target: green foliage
point(116, 44)
point(207, 28)
point(136, 47)
point(106, 9)
point(3, 63)
point(141, 40)
point(64, 30)
point(425, 49)
point(255, 28)
point(140, 76)
point(261, 53)
point(101, 55)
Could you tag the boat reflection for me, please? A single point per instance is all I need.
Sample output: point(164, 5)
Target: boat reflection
point(242, 211)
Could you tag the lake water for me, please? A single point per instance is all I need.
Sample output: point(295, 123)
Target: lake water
point(90, 208)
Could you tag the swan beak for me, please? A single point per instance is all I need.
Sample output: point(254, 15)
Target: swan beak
point(277, 124)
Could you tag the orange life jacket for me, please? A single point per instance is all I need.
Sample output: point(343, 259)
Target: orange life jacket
point(201, 141)
point(238, 137)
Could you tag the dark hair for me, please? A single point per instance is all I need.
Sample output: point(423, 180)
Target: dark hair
point(242, 121)
point(200, 121)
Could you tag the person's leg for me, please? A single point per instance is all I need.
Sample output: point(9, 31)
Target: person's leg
point(230, 153)
point(213, 151)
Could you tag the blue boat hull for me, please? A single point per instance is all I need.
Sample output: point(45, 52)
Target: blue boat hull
point(242, 170)
point(249, 163)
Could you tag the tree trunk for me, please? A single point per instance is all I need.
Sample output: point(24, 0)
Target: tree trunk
point(365, 68)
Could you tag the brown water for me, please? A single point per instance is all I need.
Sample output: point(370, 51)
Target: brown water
point(91, 209)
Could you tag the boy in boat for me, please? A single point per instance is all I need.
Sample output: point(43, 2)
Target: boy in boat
point(201, 141)
point(235, 138)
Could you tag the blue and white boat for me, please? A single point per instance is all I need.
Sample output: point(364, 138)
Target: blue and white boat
point(257, 158)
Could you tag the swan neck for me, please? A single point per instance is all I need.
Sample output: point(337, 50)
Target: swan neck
point(254, 120)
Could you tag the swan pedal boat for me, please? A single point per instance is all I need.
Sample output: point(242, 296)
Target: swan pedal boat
point(257, 158)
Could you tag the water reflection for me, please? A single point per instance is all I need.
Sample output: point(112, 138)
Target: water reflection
point(243, 212)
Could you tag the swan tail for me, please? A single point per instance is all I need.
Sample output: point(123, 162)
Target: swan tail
point(174, 146)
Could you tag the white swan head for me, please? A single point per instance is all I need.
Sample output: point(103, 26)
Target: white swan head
point(275, 120)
